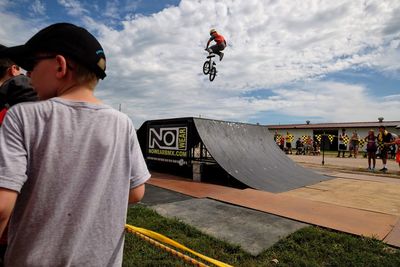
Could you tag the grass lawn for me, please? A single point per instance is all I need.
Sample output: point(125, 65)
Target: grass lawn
point(310, 246)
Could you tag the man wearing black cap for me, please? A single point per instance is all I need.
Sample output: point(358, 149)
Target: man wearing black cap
point(14, 87)
point(72, 175)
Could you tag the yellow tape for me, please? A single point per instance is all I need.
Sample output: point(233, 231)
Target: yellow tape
point(168, 249)
point(171, 242)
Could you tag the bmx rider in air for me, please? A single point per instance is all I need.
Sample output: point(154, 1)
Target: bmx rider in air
point(219, 46)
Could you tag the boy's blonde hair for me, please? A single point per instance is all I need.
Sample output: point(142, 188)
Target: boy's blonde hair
point(83, 75)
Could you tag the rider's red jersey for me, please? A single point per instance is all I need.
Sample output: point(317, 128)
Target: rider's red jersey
point(218, 38)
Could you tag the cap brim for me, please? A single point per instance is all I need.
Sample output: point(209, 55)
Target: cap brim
point(18, 54)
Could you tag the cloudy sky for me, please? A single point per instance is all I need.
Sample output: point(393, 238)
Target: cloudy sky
point(286, 62)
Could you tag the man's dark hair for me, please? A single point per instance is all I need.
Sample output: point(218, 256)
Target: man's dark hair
point(5, 63)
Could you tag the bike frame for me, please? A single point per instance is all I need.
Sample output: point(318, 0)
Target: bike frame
point(212, 70)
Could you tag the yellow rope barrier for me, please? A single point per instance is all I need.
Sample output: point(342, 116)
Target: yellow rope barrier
point(153, 235)
point(168, 249)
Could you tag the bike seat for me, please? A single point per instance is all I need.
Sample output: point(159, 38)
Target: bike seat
point(210, 56)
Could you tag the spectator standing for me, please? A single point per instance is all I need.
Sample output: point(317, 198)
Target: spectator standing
point(282, 143)
point(371, 149)
point(316, 148)
point(397, 142)
point(14, 88)
point(384, 141)
point(309, 145)
point(289, 139)
point(71, 176)
point(392, 149)
point(276, 135)
point(342, 143)
point(354, 143)
point(299, 147)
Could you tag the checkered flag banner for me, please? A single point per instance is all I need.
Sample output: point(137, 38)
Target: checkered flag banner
point(304, 138)
point(331, 137)
point(381, 145)
point(361, 143)
point(346, 140)
point(278, 137)
point(290, 138)
point(318, 137)
point(380, 142)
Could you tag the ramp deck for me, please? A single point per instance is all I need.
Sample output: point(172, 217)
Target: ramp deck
point(249, 154)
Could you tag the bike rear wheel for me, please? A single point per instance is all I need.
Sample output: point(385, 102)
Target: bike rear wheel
point(206, 67)
point(213, 72)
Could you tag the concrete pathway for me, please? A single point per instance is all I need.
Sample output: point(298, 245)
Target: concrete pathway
point(252, 230)
point(359, 164)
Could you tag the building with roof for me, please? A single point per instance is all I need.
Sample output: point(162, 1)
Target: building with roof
point(333, 129)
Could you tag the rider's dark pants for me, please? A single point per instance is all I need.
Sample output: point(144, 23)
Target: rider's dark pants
point(217, 48)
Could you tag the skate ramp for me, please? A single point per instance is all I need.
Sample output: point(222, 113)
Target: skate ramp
point(249, 154)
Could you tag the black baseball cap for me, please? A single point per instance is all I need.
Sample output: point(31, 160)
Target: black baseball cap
point(65, 39)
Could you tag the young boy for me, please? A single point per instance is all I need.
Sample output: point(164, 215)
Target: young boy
point(69, 165)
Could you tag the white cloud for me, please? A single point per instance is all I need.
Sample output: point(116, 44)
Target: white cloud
point(74, 7)
point(112, 9)
point(158, 59)
point(154, 63)
point(38, 7)
point(333, 102)
point(4, 4)
point(10, 24)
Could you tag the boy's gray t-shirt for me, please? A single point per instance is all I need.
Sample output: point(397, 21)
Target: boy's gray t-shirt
point(73, 164)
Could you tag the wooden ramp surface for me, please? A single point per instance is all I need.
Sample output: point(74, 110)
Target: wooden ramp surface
point(346, 219)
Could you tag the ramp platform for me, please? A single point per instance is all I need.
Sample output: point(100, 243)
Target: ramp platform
point(246, 152)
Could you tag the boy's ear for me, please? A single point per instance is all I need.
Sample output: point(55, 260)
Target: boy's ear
point(61, 67)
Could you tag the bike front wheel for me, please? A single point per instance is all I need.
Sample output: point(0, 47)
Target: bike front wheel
point(206, 67)
point(213, 72)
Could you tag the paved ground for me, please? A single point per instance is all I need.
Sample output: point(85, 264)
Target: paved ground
point(359, 164)
point(254, 231)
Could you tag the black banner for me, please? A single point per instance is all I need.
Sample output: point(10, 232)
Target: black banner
point(167, 142)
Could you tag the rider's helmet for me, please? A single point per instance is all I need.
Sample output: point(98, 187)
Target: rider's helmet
point(212, 31)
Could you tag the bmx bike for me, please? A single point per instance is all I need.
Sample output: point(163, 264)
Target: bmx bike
point(209, 67)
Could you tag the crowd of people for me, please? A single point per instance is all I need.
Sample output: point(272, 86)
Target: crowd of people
point(303, 146)
point(383, 145)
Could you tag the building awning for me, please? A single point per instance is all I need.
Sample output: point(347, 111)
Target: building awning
point(340, 125)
